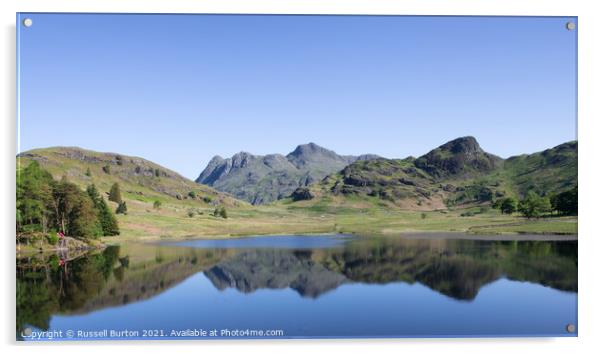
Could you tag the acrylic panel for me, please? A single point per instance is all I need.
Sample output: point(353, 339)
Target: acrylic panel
point(195, 177)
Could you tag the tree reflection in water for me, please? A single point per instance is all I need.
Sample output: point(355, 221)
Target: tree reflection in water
point(117, 276)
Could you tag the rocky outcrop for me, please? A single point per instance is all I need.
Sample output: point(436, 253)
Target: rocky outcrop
point(301, 193)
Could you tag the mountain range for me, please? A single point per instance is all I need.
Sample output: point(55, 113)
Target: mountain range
point(458, 172)
point(264, 179)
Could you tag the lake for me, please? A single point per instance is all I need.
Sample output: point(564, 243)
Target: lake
point(327, 286)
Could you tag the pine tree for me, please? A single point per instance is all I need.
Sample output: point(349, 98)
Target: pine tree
point(93, 193)
point(107, 219)
point(122, 209)
point(115, 194)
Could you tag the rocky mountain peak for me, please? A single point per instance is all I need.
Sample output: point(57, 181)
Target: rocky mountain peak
point(306, 150)
point(460, 157)
point(241, 159)
point(466, 144)
point(263, 179)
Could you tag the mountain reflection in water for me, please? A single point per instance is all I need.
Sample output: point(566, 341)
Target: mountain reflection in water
point(117, 275)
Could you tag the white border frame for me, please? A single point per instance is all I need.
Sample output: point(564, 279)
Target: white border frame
point(589, 103)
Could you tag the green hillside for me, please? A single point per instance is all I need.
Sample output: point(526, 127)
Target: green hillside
point(184, 208)
point(458, 174)
point(139, 179)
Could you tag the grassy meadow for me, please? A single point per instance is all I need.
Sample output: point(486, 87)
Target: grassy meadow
point(173, 221)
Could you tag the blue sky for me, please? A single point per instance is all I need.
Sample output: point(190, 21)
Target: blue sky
point(179, 89)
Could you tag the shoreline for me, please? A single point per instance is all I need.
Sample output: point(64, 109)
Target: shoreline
point(78, 246)
point(447, 235)
point(410, 235)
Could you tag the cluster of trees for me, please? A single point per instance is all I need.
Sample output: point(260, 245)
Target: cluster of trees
point(534, 205)
point(565, 203)
point(107, 220)
point(45, 205)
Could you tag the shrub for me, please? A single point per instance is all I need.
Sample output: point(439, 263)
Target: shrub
point(191, 213)
point(106, 169)
point(220, 211)
point(157, 204)
point(192, 194)
point(52, 238)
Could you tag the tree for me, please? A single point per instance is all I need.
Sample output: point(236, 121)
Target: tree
point(157, 204)
point(83, 220)
point(115, 193)
point(122, 209)
point(88, 172)
point(66, 199)
point(508, 205)
point(106, 218)
point(534, 206)
point(93, 193)
point(566, 203)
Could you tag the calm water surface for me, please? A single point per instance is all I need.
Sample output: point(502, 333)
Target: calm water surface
point(300, 286)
